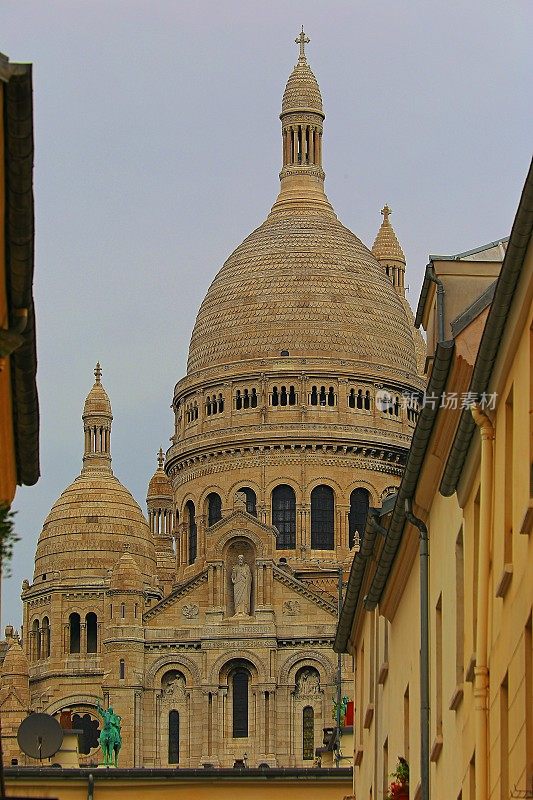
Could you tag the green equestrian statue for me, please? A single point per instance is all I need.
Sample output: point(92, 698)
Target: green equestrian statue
point(110, 739)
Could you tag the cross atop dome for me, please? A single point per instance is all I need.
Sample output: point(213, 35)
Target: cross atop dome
point(160, 458)
point(98, 372)
point(302, 40)
point(386, 212)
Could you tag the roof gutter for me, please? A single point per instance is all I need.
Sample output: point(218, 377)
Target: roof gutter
point(420, 441)
point(493, 331)
point(417, 452)
point(355, 579)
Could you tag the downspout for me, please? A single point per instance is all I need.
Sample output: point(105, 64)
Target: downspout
point(424, 648)
point(481, 671)
point(432, 275)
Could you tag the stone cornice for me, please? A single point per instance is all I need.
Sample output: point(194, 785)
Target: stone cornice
point(296, 369)
point(373, 457)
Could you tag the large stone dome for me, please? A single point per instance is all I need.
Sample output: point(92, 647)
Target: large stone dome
point(302, 282)
point(97, 516)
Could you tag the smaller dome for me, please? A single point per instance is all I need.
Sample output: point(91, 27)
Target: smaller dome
point(126, 573)
point(386, 245)
point(15, 661)
point(159, 486)
point(302, 92)
point(97, 402)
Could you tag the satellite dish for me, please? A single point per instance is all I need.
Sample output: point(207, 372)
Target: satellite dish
point(40, 736)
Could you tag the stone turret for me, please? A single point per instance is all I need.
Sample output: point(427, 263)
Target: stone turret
point(14, 696)
point(161, 521)
point(387, 250)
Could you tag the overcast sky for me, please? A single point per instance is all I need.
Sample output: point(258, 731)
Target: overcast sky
point(157, 150)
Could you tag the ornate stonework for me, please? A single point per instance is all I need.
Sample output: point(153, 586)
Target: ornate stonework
point(210, 628)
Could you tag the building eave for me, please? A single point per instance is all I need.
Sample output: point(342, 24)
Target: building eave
point(20, 236)
point(493, 332)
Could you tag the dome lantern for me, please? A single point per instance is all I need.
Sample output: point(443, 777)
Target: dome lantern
point(159, 500)
point(301, 121)
point(97, 418)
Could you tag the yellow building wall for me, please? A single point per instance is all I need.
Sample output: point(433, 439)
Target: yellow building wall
point(186, 788)
point(394, 727)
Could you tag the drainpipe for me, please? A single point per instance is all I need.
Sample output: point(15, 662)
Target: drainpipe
point(432, 275)
point(339, 681)
point(481, 671)
point(424, 648)
point(90, 786)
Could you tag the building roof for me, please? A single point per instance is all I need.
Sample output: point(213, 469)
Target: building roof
point(494, 328)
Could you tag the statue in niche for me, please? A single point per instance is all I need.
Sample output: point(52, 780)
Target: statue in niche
point(241, 578)
point(308, 683)
point(174, 685)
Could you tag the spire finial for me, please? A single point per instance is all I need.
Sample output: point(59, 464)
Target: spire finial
point(160, 458)
point(98, 372)
point(386, 211)
point(302, 40)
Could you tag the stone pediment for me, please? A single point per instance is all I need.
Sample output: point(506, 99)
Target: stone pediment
point(179, 594)
point(10, 700)
point(239, 522)
point(303, 590)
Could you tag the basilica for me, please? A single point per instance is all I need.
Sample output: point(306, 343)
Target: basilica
point(208, 624)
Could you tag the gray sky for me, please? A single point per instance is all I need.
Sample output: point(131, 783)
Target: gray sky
point(157, 150)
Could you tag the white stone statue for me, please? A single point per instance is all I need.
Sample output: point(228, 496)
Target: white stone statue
point(241, 578)
point(308, 683)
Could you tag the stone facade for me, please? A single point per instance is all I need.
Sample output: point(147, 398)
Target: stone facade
point(210, 628)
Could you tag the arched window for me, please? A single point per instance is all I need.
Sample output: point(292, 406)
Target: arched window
point(313, 398)
point(45, 638)
point(208, 406)
point(359, 398)
point(214, 508)
point(322, 518)
point(275, 396)
point(331, 396)
point(322, 397)
point(292, 396)
point(122, 669)
point(36, 635)
point(238, 400)
point(351, 399)
point(367, 400)
point(241, 679)
point(308, 733)
point(191, 524)
point(220, 404)
point(74, 633)
point(173, 737)
point(284, 516)
point(251, 500)
point(359, 503)
point(253, 399)
point(283, 396)
point(91, 623)
point(246, 399)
